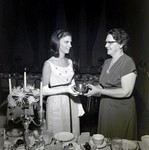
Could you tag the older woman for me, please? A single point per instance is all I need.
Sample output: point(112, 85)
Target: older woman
point(117, 113)
point(57, 85)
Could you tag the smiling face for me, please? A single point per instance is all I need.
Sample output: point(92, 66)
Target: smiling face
point(112, 46)
point(65, 44)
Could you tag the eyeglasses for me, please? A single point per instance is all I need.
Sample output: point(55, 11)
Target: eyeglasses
point(110, 42)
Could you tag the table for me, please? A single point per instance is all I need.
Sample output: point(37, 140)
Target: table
point(58, 145)
point(36, 141)
point(10, 140)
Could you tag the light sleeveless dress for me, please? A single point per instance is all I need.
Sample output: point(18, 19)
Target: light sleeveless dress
point(58, 106)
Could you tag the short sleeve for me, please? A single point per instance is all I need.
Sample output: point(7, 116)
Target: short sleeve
point(128, 67)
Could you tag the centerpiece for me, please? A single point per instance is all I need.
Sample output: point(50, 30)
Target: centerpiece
point(23, 97)
point(26, 97)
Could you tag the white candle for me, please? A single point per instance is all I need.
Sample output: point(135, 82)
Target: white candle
point(25, 78)
point(10, 87)
point(41, 98)
point(4, 134)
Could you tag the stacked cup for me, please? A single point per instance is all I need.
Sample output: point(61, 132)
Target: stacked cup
point(116, 143)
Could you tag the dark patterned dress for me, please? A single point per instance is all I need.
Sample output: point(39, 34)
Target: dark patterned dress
point(117, 116)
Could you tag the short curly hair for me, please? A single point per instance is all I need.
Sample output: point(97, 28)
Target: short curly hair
point(55, 41)
point(120, 36)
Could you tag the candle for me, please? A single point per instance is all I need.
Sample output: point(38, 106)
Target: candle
point(25, 78)
point(41, 98)
point(4, 134)
point(10, 87)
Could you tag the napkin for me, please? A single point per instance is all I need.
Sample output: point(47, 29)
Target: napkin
point(80, 110)
point(84, 137)
point(142, 146)
point(145, 141)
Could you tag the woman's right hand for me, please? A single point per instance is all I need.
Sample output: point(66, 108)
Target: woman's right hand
point(71, 90)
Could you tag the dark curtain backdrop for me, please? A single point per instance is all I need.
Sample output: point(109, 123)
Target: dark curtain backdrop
point(26, 27)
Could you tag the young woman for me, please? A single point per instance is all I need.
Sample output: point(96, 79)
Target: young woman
point(58, 83)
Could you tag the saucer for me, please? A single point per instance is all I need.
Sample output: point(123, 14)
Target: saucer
point(14, 134)
point(98, 146)
point(64, 136)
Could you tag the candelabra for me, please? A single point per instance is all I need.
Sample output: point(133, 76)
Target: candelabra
point(26, 120)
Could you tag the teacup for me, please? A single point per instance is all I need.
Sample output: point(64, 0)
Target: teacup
point(81, 88)
point(98, 139)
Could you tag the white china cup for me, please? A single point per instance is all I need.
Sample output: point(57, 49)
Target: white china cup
point(98, 139)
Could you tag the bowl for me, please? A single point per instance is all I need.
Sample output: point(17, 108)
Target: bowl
point(98, 139)
point(145, 140)
point(81, 88)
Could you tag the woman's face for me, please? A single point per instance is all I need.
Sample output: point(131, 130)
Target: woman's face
point(65, 44)
point(112, 46)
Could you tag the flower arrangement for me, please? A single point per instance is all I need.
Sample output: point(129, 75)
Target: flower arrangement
point(22, 97)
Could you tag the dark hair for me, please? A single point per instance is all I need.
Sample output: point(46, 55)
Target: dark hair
point(120, 36)
point(55, 41)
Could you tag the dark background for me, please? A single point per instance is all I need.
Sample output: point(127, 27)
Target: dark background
point(26, 27)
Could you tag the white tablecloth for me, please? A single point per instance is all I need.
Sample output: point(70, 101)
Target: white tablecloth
point(58, 146)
